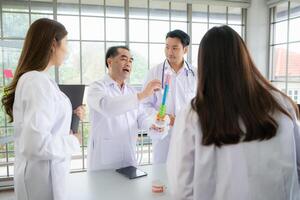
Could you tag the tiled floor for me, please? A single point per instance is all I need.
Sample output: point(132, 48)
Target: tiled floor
point(7, 195)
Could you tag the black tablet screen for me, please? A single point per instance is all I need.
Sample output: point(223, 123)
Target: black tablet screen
point(131, 172)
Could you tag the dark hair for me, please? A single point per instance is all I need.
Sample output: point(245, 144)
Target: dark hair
point(231, 90)
point(35, 55)
point(113, 52)
point(184, 38)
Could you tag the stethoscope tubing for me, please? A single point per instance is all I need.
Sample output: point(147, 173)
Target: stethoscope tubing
point(163, 71)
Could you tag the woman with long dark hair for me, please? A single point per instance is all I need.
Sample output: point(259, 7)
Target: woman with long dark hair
point(41, 115)
point(239, 138)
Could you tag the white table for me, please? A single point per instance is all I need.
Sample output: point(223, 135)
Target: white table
point(110, 185)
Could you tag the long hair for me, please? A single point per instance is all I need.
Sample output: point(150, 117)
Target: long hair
point(35, 55)
point(231, 92)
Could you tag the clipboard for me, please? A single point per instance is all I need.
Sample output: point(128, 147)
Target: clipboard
point(75, 94)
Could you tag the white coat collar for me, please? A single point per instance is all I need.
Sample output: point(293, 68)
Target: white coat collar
point(110, 82)
point(182, 69)
point(55, 84)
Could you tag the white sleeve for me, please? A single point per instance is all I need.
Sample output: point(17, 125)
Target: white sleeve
point(296, 123)
point(145, 119)
point(36, 140)
point(290, 109)
point(180, 163)
point(99, 100)
point(297, 141)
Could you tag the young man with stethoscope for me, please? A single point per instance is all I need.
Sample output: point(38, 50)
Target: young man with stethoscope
point(182, 86)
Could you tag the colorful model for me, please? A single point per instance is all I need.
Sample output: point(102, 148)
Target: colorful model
point(161, 115)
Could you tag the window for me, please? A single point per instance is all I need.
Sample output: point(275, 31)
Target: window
point(285, 48)
point(15, 21)
point(205, 17)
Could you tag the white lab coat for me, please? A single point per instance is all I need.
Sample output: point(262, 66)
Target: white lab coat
point(265, 170)
point(43, 146)
point(182, 89)
point(115, 116)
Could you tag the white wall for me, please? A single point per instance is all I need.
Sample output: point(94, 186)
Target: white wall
point(257, 34)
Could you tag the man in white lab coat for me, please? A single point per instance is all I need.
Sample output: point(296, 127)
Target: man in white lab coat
point(116, 113)
point(182, 87)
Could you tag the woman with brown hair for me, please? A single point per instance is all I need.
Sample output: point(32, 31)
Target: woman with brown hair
point(240, 137)
point(41, 115)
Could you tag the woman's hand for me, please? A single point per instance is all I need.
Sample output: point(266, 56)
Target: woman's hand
point(78, 135)
point(80, 112)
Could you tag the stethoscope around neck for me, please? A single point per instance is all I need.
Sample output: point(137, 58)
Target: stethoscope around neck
point(189, 69)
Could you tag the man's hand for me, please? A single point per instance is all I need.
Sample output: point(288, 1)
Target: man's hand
point(150, 88)
point(158, 129)
point(172, 119)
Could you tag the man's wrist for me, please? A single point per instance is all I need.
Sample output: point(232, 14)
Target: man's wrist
point(140, 96)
